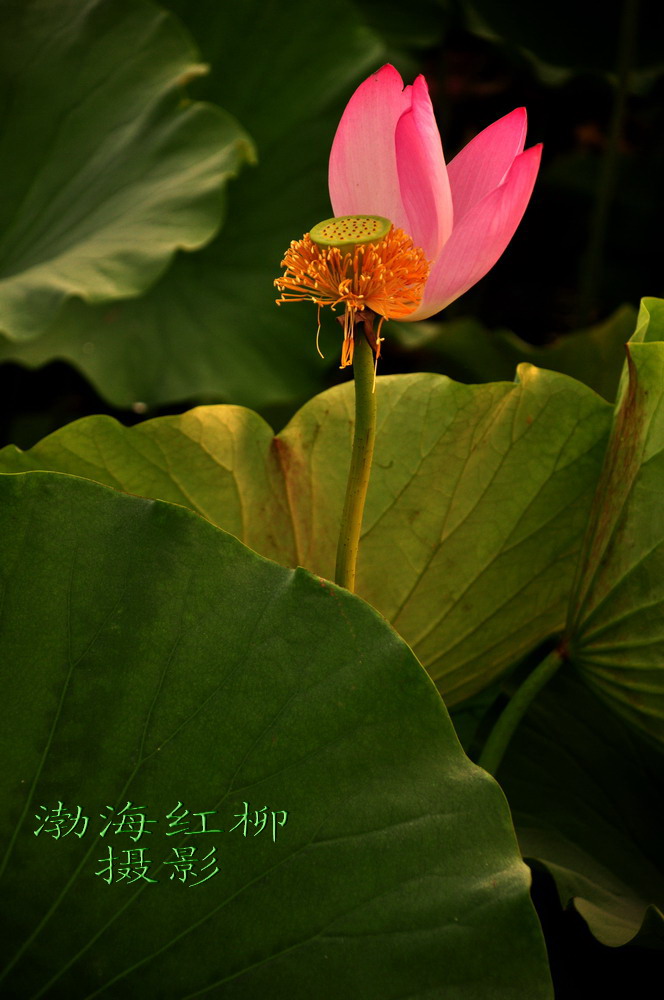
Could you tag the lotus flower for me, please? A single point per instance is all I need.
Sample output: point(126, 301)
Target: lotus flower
point(410, 234)
point(387, 159)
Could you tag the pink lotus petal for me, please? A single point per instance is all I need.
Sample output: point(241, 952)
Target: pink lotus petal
point(480, 237)
point(425, 189)
point(363, 177)
point(482, 165)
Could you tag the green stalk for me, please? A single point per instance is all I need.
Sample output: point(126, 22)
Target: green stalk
point(608, 176)
point(502, 732)
point(360, 463)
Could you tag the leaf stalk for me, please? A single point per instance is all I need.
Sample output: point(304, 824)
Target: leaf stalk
point(360, 464)
point(501, 734)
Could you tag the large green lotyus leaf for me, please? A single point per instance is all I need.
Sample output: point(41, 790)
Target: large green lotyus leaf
point(106, 167)
point(616, 617)
point(149, 658)
point(477, 503)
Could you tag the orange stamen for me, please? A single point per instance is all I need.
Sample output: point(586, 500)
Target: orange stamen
point(386, 277)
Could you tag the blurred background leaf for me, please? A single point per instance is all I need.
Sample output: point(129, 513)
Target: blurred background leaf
point(106, 168)
point(465, 350)
point(569, 37)
point(210, 328)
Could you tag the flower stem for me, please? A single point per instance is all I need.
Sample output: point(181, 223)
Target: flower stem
point(502, 732)
point(360, 463)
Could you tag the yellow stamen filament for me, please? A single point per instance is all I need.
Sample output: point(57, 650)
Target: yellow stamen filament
point(387, 277)
point(318, 337)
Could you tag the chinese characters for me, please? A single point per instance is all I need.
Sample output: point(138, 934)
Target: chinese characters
point(191, 864)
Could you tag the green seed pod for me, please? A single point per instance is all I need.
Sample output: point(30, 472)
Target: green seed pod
point(349, 231)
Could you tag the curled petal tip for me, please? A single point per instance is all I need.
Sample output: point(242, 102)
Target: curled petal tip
point(534, 153)
point(388, 71)
point(363, 176)
point(519, 119)
point(485, 162)
point(423, 181)
point(481, 237)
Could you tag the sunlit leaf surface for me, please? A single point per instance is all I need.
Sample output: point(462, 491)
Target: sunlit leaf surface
point(477, 504)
